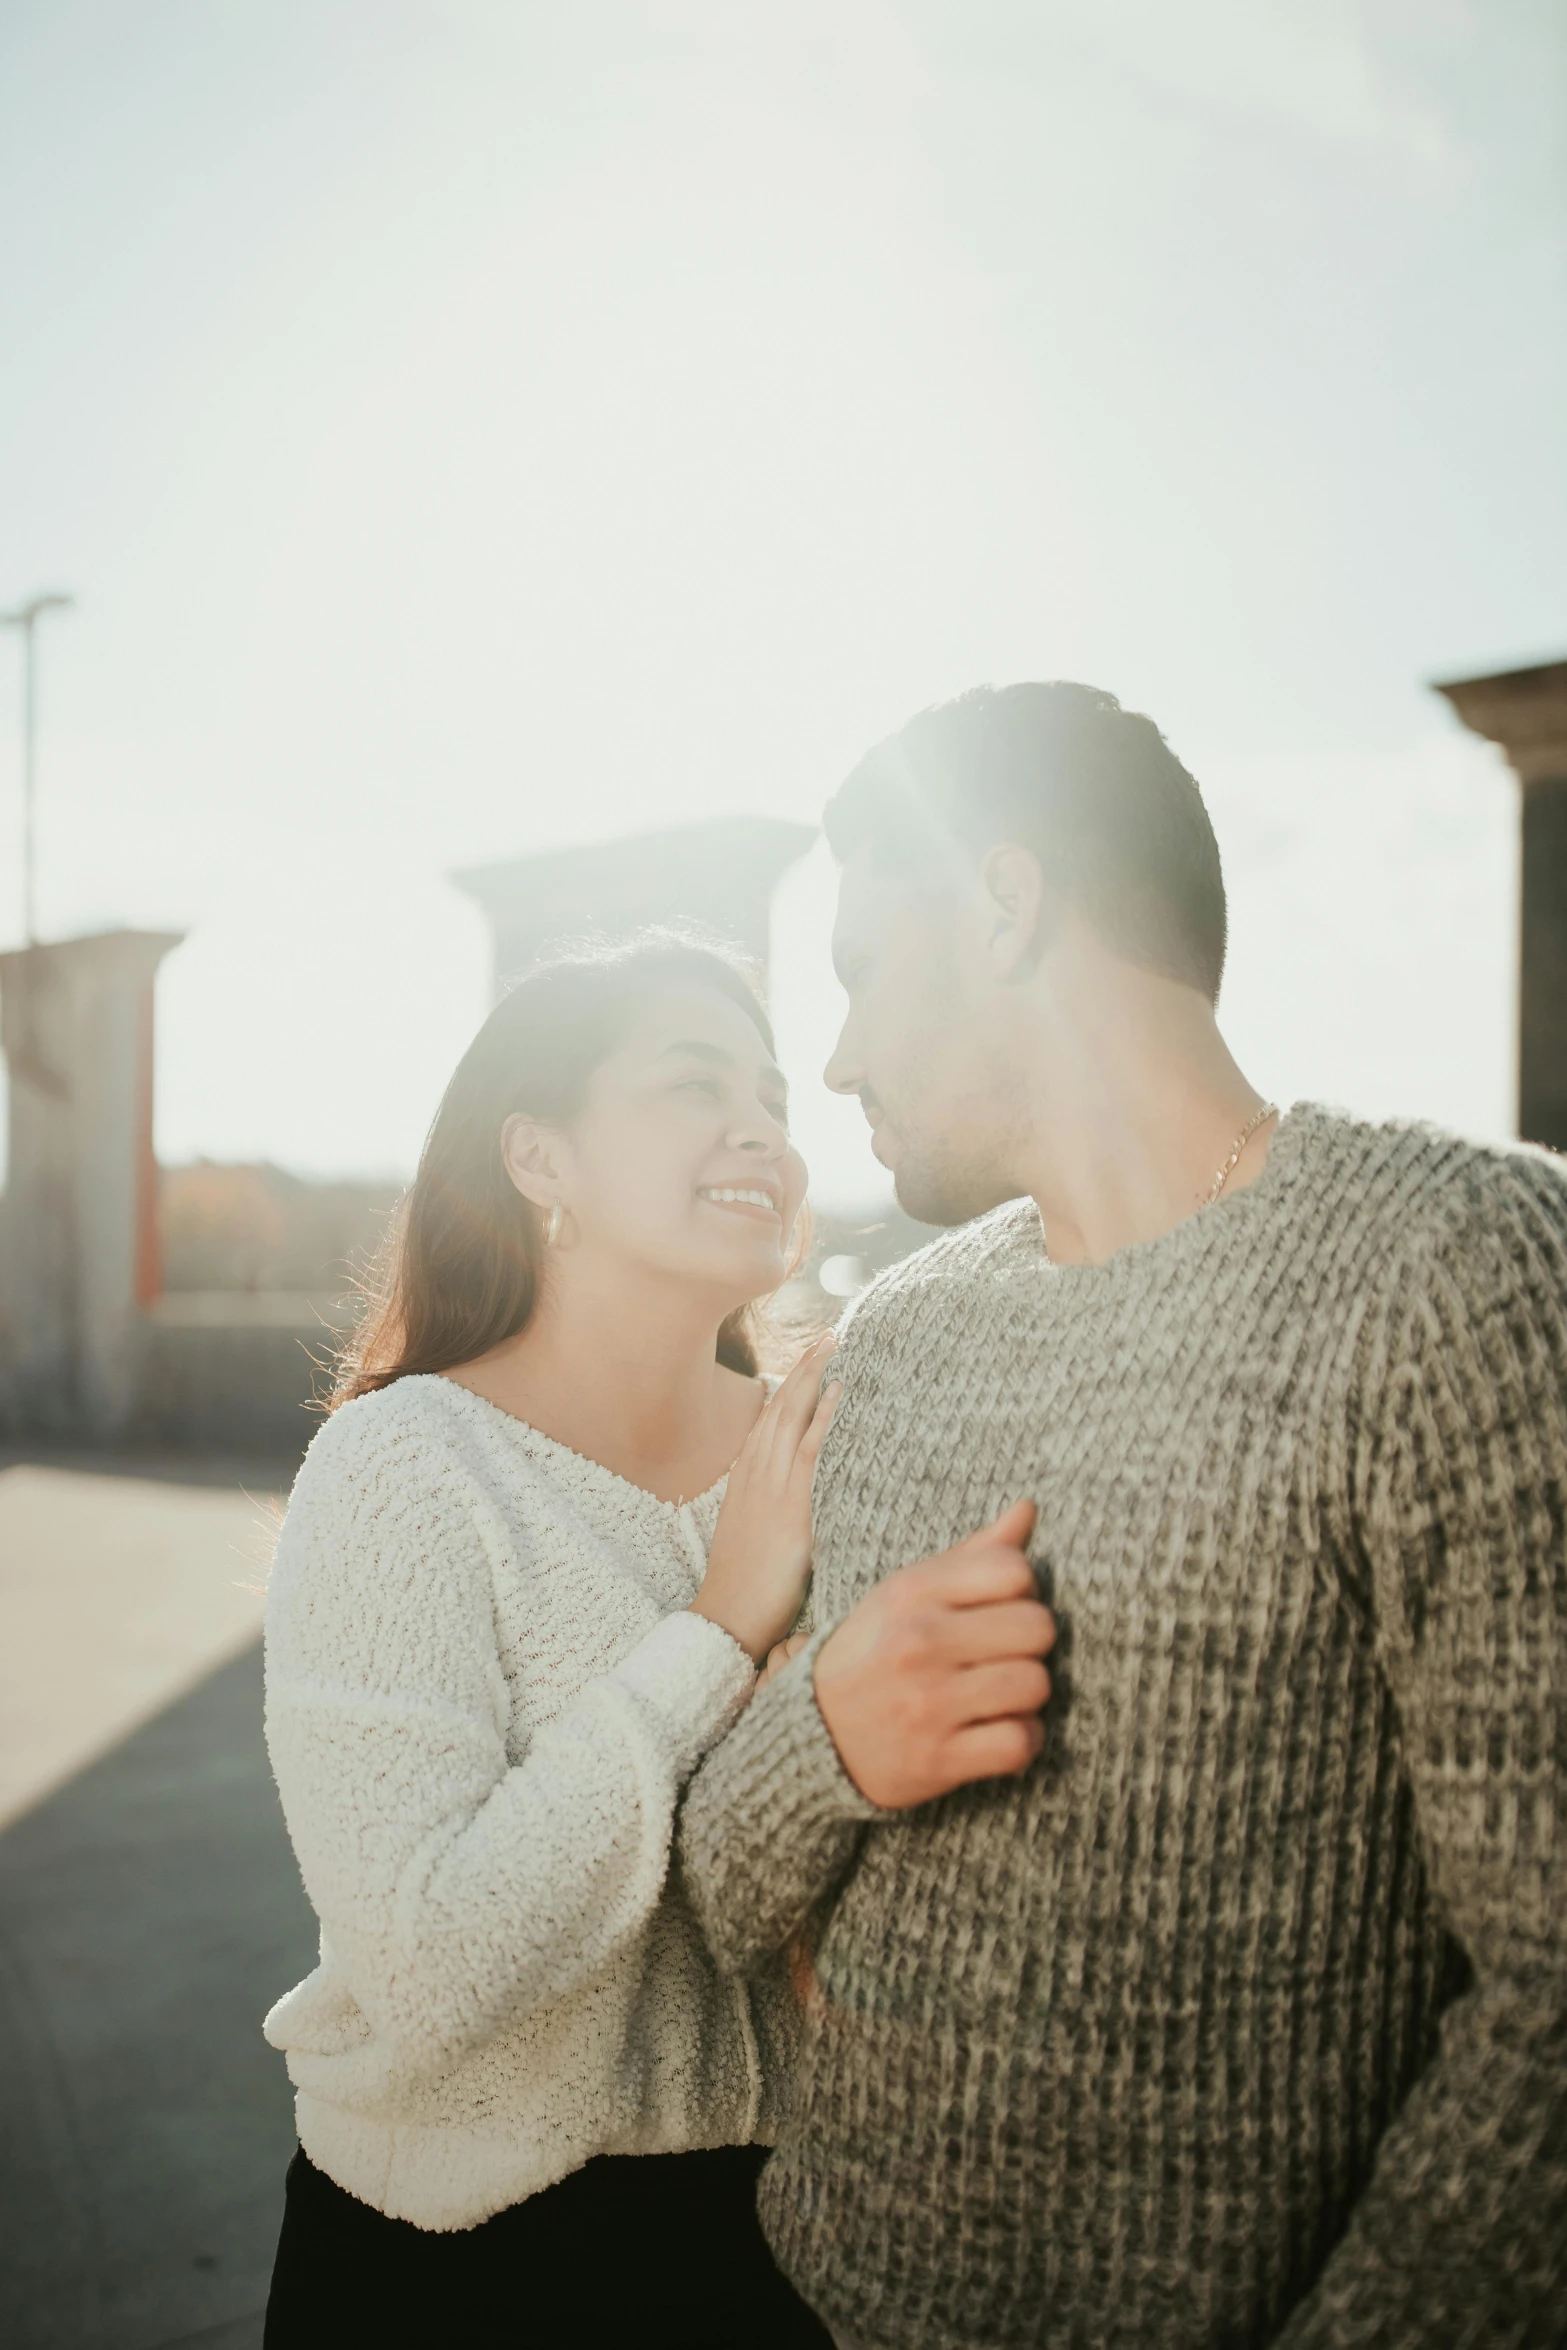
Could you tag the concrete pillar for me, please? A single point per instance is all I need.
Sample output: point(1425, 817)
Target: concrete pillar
point(721, 875)
point(1525, 710)
point(79, 1237)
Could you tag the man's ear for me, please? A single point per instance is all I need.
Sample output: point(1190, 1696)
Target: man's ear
point(1013, 884)
point(533, 1158)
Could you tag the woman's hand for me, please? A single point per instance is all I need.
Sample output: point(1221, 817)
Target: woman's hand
point(760, 1561)
point(784, 1654)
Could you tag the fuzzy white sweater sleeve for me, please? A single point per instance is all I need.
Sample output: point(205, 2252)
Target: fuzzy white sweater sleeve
point(458, 1885)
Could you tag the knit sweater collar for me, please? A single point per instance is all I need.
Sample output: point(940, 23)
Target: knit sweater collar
point(552, 1454)
point(1298, 1140)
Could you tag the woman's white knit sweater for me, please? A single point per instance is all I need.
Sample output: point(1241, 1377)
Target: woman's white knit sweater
point(485, 1692)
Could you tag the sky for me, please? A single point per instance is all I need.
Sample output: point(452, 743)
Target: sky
point(478, 427)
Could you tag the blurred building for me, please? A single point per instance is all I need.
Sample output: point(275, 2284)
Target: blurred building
point(258, 1230)
point(720, 874)
point(200, 1306)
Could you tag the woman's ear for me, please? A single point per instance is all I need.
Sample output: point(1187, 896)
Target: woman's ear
point(532, 1157)
point(1014, 889)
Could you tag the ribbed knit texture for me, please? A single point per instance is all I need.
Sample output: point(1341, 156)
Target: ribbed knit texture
point(485, 1691)
point(1242, 2018)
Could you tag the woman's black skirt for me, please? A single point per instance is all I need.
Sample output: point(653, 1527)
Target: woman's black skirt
point(632, 2252)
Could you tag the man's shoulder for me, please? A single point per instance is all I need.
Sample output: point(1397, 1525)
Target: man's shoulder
point(1427, 1191)
point(935, 1277)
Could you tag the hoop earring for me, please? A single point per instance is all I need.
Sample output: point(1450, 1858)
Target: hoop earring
point(552, 1223)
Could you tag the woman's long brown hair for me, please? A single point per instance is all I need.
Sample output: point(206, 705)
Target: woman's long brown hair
point(459, 1268)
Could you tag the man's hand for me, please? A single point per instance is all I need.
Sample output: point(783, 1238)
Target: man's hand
point(935, 1678)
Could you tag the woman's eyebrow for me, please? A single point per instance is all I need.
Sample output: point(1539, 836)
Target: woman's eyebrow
point(698, 1049)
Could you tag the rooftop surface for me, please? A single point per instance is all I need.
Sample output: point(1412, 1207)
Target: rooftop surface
point(150, 1910)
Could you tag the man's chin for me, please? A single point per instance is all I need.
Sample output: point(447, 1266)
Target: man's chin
point(933, 1197)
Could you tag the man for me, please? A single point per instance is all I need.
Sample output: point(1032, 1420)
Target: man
point(1226, 2003)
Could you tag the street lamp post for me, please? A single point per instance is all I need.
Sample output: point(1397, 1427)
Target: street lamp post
point(25, 617)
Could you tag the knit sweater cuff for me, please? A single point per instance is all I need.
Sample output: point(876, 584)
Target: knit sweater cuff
point(693, 1678)
point(789, 1752)
point(770, 1822)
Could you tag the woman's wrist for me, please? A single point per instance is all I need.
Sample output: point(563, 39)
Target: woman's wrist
point(745, 1633)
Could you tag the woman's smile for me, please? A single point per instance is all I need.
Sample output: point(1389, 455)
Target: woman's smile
point(742, 1199)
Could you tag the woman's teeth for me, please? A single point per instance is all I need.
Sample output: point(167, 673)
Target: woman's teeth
point(752, 1199)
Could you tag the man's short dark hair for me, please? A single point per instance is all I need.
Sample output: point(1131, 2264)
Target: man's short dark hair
point(1094, 790)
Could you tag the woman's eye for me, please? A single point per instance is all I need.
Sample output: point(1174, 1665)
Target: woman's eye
point(708, 1085)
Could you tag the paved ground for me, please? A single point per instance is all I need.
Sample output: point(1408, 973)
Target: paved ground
point(149, 1913)
point(118, 1592)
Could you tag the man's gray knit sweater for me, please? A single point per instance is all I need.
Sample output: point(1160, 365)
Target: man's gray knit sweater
point(1242, 2018)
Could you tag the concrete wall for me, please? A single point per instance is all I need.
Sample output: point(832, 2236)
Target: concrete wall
point(224, 1372)
point(1525, 712)
point(78, 1244)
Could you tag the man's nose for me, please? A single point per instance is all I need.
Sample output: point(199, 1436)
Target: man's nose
point(843, 1073)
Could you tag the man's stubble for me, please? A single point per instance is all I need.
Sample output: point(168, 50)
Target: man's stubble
point(958, 1126)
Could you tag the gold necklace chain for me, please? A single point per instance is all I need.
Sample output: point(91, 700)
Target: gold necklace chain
point(1258, 1118)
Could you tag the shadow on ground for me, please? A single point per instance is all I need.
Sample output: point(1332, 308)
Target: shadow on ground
point(150, 1912)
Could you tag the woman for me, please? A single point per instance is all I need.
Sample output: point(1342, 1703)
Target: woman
point(519, 1593)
